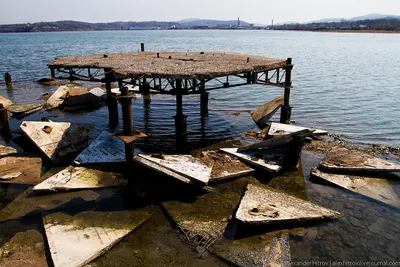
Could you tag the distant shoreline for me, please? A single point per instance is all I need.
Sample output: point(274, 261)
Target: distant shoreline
point(359, 31)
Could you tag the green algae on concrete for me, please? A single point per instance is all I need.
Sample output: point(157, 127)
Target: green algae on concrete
point(269, 249)
point(204, 220)
point(24, 249)
point(76, 240)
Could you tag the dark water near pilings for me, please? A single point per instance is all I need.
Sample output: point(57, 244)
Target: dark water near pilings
point(345, 83)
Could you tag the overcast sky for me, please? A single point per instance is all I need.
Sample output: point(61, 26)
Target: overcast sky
point(256, 11)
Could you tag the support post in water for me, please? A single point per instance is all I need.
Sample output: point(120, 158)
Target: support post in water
point(111, 100)
point(144, 88)
point(127, 119)
point(7, 78)
point(180, 119)
point(286, 109)
point(142, 47)
point(203, 99)
point(5, 130)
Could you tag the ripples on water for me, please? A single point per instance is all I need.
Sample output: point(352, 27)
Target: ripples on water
point(344, 83)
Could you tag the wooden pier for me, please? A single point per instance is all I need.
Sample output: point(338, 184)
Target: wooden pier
point(174, 73)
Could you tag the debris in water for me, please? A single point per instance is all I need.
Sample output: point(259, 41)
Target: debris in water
point(5, 102)
point(182, 167)
point(6, 150)
point(376, 188)
point(106, 148)
point(81, 178)
point(264, 113)
point(19, 111)
point(262, 205)
point(271, 161)
point(343, 159)
point(47, 129)
point(62, 143)
point(224, 165)
point(20, 170)
point(80, 99)
point(58, 97)
point(278, 129)
point(76, 240)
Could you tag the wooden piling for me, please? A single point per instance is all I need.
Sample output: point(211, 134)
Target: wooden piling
point(254, 77)
point(203, 99)
point(53, 73)
point(286, 109)
point(144, 88)
point(127, 120)
point(111, 100)
point(142, 47)
point(5, 130)
point(8, 80)
point(180, 120)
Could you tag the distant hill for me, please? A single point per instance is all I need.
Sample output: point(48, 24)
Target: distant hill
point(70, 25)
point(359, 18)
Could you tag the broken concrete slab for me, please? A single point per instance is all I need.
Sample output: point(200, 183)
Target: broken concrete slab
point(224, 166)
point(97, 91)
point(270, 249)
point(271, 161)
point(343, 159)
point(264, 113)
point(81, 178)
point(278, 141)
point(262, 205)
point(78, 99)
point(182, 167)
point(5, 102)
point(6, 150)
point(19, 111)
point(24, 249)
point(203, 221)
point(28, 203)
point(278, 129)
point(76, 240)
point(20, 169)
point(376, 188)
point(58, 97)
point(106, 148)
point(59, 141)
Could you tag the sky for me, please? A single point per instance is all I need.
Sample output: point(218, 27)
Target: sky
point(253, 11)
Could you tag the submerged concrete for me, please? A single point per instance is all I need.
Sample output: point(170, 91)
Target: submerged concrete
point(20, 170)
point(376, 188)
point(20, 111)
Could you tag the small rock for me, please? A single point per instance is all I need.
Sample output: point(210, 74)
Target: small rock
point(47, 129)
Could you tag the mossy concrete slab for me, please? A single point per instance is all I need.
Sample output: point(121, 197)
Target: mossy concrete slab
point(20, 169)
point(76, 240)
point(376, 188)
point(20, 111)
point(204, 220)
point(81, 178)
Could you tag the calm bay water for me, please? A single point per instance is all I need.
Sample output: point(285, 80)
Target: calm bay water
point(345, 83)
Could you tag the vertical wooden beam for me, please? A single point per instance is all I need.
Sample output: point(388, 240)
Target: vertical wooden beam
point(53, 73)
point(5, 130)
point(180, 120)
point(111, 100)
point(127, 120)
point(248, 76)
point(8, 80)
point(142, 47)
point(203, 99)
point(254, 76)
point(286, 109)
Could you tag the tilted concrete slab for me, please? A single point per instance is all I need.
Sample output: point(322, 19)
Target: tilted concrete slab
point(191, 169)
point(58, 97)
point(376, 188)
point(20, 169)
point(106, 148)
point(278, 129)
point(262, 205)
point(58, 140)
point(271, 162)
point(81, 178)
point(76, 240)
point(5, 102)
point(264, 113)
point(6, 150)
point(19, 111)
point(225, 166)
point(343, 159)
